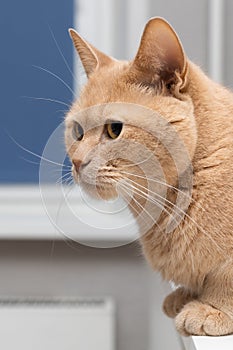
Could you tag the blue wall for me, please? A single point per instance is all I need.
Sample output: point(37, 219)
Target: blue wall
point(26, 40)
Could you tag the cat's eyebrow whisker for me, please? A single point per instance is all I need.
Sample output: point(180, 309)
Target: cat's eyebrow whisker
point(61, 53)
point(55, 76)
point(47, 99)
point(37, 155)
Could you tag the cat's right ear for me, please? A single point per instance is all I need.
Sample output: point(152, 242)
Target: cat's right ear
point(91, 58)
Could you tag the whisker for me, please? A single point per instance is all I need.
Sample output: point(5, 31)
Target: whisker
point(162, 205)
point(164, 199)
point(61, 53)
point(143, 209)
point(182, 213)
point(125, 188)
point(37, 155)
point(63, 177)
point(124, 185)
point(160, 230)
point(30, 161)
point(157, 202)
point(47, 99)
point(153, 180)
point(62, 171)
point(164, 184)
point(198, 227)
point(161, 197)
point(69, 180)
point(55, 76)
point(192, 220)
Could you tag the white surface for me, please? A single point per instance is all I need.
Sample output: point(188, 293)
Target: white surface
point(57, 326)
point(216, 39)
point(95, 28)
point(208, 343)
point(24, 214)
point(138, 13)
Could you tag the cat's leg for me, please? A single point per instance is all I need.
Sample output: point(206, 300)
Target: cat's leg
point(175, 301)
point(212, 312)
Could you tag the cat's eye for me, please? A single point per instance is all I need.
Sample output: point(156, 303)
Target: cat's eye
point(77, 131)
point(114, 129)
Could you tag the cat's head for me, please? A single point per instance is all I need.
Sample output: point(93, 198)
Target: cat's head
point(129, 112)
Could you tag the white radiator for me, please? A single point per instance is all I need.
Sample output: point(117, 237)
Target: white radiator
point(71, 324)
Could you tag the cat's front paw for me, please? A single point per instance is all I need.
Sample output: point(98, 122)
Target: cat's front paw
point(175, 301)
point(197, 318)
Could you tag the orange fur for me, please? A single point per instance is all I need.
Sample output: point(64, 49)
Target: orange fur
point(198, 254)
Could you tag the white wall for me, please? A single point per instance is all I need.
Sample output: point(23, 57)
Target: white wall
point(204, 27)
point(57, 269)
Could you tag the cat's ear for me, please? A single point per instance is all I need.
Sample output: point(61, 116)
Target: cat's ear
point(91, 58)
point(160, 55)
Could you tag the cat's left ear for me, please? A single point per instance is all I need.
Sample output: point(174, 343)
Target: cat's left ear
point(160, 56)
point(91, 58)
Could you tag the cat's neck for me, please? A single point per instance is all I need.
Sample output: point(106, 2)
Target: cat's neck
point(205, 93)
point(213, 106)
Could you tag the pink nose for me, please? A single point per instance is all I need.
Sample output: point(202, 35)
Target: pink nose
point(77, 163)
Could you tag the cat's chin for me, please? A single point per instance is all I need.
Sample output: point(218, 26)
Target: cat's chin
point(107, 193)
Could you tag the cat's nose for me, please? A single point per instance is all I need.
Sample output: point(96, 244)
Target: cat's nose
point(77, 164)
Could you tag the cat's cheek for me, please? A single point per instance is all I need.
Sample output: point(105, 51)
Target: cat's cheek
point(71, 149)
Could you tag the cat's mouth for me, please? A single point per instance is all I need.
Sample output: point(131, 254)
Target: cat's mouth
point(101, 190)
point(102, 185)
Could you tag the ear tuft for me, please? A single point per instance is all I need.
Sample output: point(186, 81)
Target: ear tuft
point(91, 58)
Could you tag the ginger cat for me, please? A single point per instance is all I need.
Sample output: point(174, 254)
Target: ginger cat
point(167, 89)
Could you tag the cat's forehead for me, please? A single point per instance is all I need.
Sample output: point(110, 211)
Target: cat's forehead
point(98, 115)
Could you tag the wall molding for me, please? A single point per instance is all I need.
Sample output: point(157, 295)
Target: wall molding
point(24, 216)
